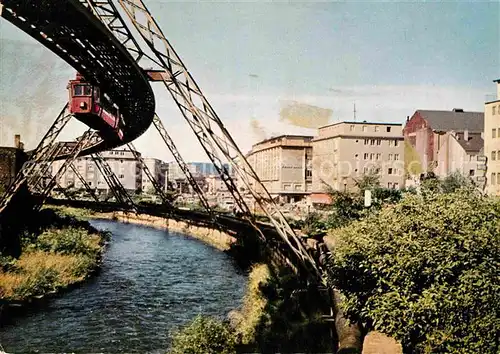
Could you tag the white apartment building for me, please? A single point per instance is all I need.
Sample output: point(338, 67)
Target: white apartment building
point(122, 163)
point(344, 151)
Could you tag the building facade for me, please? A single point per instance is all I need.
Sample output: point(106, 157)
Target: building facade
point(343, 152)
point(461, 152)
point(283, 164)
point(158, 169)
point(122, 163)
point(426, 131)
point(492, 143)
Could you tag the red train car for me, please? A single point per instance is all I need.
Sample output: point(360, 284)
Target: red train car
point(90, 107)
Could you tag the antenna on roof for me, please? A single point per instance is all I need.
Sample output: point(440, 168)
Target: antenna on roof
point(354, 111)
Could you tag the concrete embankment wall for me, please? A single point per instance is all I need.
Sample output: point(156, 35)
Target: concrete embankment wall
point(214, 237)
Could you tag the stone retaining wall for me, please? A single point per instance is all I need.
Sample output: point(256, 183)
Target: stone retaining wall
point(213, 237)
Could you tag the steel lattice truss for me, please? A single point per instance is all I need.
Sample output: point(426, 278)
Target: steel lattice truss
point(121, 195)
point(89, 190)
point(81, 144)
point(42, 150)
point(208, 127)
point(180, 161)
point(159, 190)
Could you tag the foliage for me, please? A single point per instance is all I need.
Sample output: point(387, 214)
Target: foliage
point(346, 207)
point(425, 271)
point(205, 335)
point(68, 241)
point(368, 180)
point(313, 225)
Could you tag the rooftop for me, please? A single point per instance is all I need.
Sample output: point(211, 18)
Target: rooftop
point(284, 136)
point(457, 120)
point(362, 122)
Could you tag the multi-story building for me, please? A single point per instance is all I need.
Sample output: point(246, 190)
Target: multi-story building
point(492, 143)
point(283, 164)
point(427, 130)
point(460, 152)
point(122, 163)
point(158, 169)
point(343, 152)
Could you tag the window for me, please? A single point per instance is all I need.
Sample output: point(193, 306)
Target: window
point(352, 127)
point(90, 183)
point(377, 128)
point(356, 157)
point(121, 176)
point(366, 141)
point(364, 128)
point(493, 155)
point(390, 157)
point(366, 156)
point(389, 185)
point(493, 133)
point(388, 129)
point(389, 171)
point(396, 156)
point(82, 90)
point(379, 156)
point(396, 185)
point(372, 141)
point(372, 156)
point(493, 178)
point(493, 109)
point(379, 142)
point(471, 173)
point(396, 143)
point(391, 142)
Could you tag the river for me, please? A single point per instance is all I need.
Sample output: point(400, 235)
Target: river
point(151, 283)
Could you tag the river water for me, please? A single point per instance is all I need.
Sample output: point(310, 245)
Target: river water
point(151, 282)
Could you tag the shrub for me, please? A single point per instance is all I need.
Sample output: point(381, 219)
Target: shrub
point(205, 335)
point(69, 241)
point(425, 271)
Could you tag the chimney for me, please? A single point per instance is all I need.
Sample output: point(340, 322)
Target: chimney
point(466, 135)
point(498, 88)
point(17, 141)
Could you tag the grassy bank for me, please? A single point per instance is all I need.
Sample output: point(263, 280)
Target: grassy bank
point(57, 252)
point(273, 318)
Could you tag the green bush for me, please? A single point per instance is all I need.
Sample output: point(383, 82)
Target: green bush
point(425, 271)
point(68, 241)
point(205, 335)
point(41, 282)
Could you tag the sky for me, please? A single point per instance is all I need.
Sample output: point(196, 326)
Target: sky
point(252, 59)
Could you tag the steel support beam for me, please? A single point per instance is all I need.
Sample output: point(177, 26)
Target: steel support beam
point(82, 143)
point(37, 155)
point(180, 161)
point(89, 190)
point(121, 195)
point(210, 130)
point(159, 190)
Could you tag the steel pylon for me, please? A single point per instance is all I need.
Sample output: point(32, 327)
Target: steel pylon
point(43, 149)
point(209, 129)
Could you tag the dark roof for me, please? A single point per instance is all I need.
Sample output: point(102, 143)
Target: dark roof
point(454, 120)
point(475, 143)
point(497, 80)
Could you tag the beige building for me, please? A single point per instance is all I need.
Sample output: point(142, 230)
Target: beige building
point(461, 152)
point(343, 152)
point(492, 143)
point(283, 164)
point(122, 163)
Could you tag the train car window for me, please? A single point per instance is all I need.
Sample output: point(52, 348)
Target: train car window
point(87, 90)
point(78, 90)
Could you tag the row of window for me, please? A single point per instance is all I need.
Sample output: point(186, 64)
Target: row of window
point(391, 185)
point(494, 132)
point(495, 155)
point(378, 142)
point(377, 156)
point(365, 128)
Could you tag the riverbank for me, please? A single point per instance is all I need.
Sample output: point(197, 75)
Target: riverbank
point(215, 238)
point(58, 252)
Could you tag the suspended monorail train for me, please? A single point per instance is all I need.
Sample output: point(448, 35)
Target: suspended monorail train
point(92, 108)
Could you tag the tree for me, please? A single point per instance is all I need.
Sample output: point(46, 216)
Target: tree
point(425, 271)
point(368, 180)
